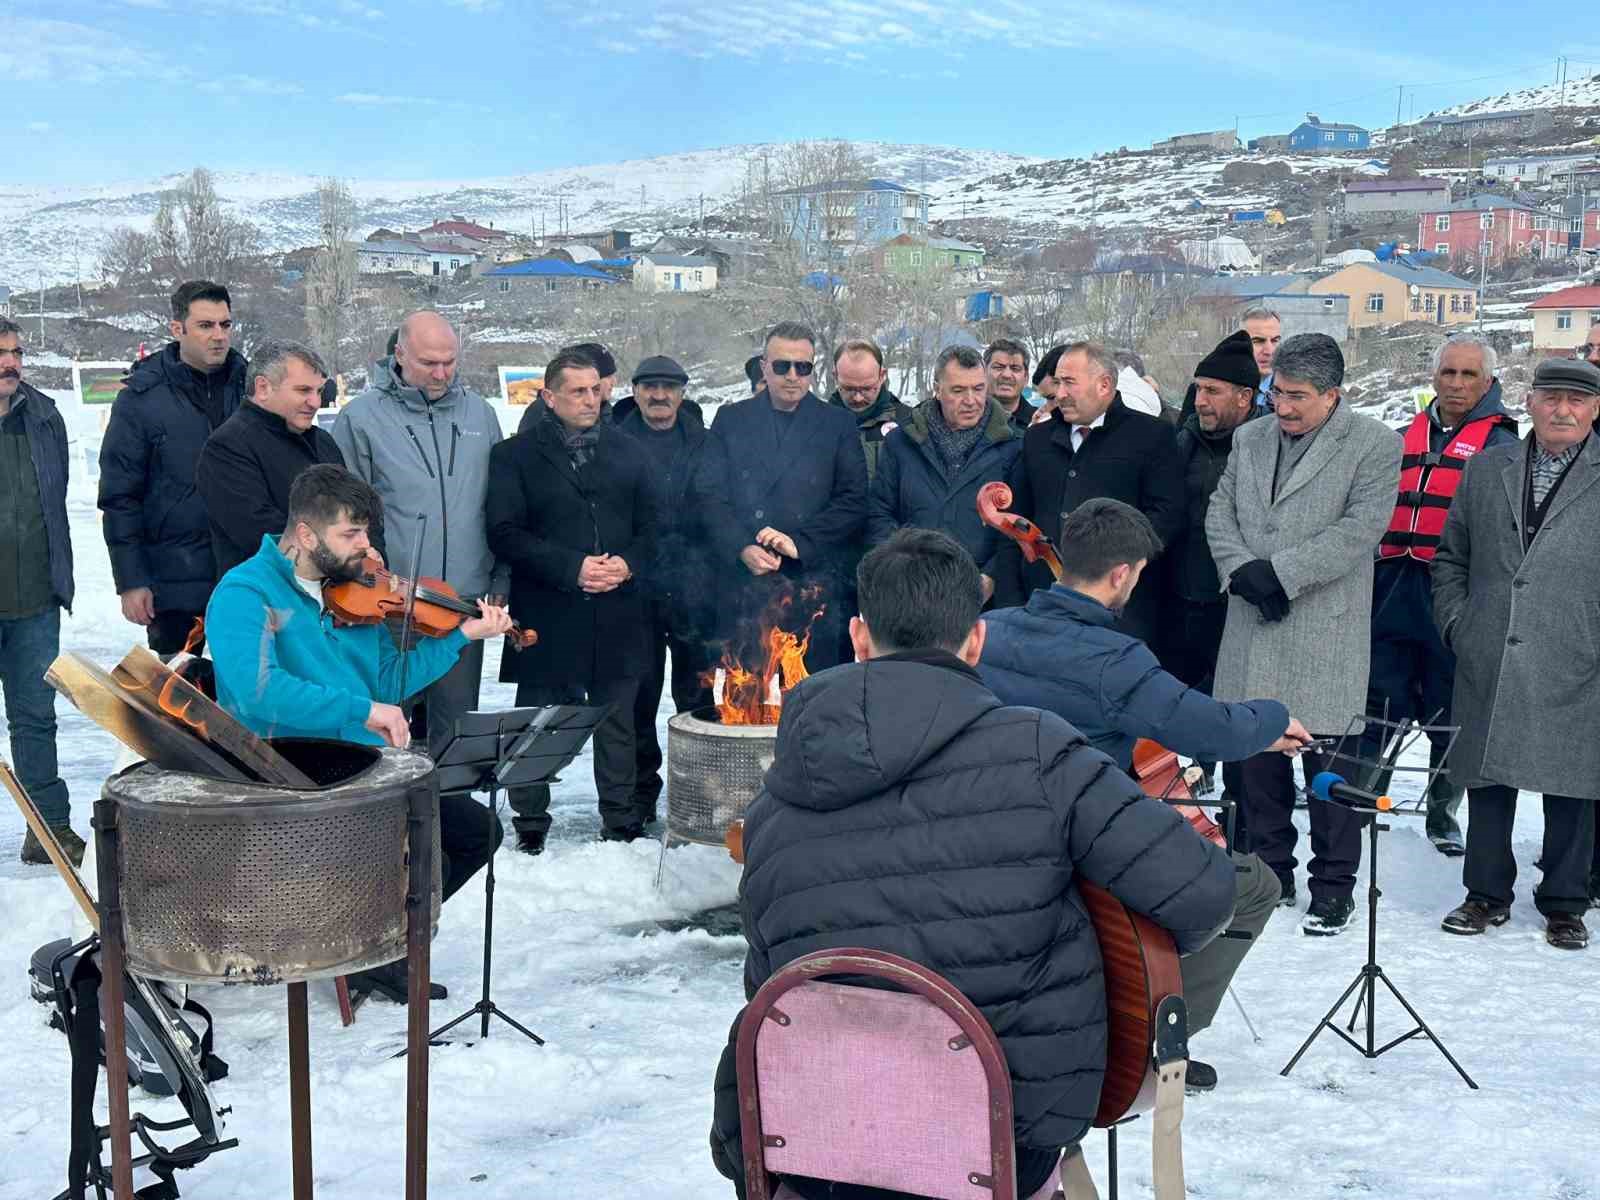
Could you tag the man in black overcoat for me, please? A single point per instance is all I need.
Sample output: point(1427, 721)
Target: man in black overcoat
point(570, 507)
point(1093, 446)
point(783, 489)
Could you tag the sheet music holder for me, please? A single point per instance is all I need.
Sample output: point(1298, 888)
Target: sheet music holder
point(490, 751)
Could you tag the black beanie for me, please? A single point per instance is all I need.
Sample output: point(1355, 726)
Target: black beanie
point(598, 354)
point(1233, 361)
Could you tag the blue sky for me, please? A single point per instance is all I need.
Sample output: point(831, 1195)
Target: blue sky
point(106, 90)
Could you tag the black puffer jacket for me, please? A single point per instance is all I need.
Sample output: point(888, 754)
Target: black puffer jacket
point(908, 810)
point(155, 523)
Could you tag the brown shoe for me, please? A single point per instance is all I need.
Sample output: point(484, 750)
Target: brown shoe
point(1566, 931)
point(1475, 916)
point(71, 844)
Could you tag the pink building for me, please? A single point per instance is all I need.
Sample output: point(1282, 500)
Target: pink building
point(1495, 227)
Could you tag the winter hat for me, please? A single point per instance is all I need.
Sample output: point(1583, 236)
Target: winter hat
point(1233, 361)
point(660, 367)
point(1047, 364)
point(597, 354)
point(1568, 375)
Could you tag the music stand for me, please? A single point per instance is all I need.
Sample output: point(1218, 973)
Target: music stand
point(490, 751)
point(1365, 984)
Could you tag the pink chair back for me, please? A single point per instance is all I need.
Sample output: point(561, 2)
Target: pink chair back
point(906, 1090)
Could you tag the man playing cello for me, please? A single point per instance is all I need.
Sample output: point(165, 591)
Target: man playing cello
point(285, 669)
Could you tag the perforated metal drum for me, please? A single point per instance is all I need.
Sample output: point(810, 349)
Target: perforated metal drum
point(713, 772)
point(245, 883)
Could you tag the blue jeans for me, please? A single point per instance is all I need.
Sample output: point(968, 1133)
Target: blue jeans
point(27, 648)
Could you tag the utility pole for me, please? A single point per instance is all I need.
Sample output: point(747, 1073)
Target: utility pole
point(1399, 96)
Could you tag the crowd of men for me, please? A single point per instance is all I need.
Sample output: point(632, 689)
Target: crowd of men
point(1298, 551)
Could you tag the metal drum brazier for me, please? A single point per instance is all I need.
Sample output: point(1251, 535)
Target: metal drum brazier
point(246, 883)
point(713, 772)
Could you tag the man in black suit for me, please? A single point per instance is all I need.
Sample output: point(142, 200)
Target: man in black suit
point(1093, 446)
point(783, 486)
point(249, 463)
point(570, 507)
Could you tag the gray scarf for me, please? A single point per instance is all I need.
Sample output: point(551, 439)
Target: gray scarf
point(580, 445)
point(951, 447)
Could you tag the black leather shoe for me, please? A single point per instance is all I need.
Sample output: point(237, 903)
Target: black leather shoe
point(389, 981)
point(530, 841)
point(1286, 893)
point(1475, 916)
point(1566, 931)
point(1327, 916)
point(622, 833)
point(1199, 1077)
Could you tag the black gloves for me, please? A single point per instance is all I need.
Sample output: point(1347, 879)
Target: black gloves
point(1257, 582)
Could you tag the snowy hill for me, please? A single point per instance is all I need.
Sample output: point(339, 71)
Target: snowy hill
point(1579, 93)
point(42, 229)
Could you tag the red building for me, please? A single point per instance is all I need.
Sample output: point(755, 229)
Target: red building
point(1495, 227)
point(463, 228)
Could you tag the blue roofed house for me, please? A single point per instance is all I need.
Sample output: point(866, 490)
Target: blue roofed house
point(1390, 293)
point(843, 215)
point(536, 280)
point(1313, 134)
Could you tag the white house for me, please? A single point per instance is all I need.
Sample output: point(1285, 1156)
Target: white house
point(414, 258)
point(674, 273)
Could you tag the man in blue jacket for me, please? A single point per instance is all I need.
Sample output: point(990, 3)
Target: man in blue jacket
point(284, 669)
point(1063, 652)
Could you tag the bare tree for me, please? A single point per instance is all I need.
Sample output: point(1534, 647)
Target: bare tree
point(126, 255)
point(1039, 305)
point(194, 238)
point(331, 281)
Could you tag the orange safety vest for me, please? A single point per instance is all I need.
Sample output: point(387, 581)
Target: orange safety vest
point(1428, 483)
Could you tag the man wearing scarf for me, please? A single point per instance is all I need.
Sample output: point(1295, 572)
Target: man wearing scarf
point(861, 386)
point(931, 468)
point(571, 509)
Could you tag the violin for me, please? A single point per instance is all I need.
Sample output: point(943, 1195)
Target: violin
point(377, 594)
point(1155, 768)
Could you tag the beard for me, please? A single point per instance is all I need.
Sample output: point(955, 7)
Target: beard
point(333, 568)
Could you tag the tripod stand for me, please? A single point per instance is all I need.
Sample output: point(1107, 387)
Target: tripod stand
point(1368, 978)
point(491, 751)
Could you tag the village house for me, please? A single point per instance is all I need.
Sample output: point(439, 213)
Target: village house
point(1389, 197)
point(1391, 293)
point(1495, 228)
point(674, 273)
point(912, 255)
point(1561, 319)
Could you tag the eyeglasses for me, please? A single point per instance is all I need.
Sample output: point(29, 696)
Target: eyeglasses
point(857, 391)
point(1588, 350)
point(801, 367)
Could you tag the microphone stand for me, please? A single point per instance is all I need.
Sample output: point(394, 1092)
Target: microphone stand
point(1371, 974)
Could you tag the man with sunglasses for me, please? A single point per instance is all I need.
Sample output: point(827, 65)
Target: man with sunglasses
point(155, 522)
point(783, 488)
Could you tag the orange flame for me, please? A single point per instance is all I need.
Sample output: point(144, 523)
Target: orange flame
point(177, 705)
point(196, 638)
point(750, 694)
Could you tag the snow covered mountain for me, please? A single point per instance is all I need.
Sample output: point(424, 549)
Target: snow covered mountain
point(58, 231)
point(1579, 93)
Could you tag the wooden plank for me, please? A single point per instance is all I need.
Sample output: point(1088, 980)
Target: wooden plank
point(137, 722)
point(183, 703)
point(47, 839)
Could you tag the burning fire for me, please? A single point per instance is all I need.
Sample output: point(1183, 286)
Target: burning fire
point(749, 694)
point(177, 695)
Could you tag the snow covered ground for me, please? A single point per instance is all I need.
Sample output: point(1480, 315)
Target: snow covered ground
point(617, 1105)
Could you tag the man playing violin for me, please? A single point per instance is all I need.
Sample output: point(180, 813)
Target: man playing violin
point(1065, 653)
point(285, 669)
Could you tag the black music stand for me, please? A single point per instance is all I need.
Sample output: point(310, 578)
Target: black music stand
point(491, 751)
point(1365, 985)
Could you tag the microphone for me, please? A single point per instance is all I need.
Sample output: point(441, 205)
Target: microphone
point(1331, 788)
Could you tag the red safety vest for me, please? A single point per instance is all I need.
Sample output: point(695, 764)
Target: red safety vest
point(1428, 483)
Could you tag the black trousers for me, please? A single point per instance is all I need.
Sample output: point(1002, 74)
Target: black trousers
point(1263, 788)
point(443, 701)
point(1490, 869)
point(612, 748)
point(469, 832)
point(1190, 646)
point(691, 658)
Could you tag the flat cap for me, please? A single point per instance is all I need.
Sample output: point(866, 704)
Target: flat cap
point(659, 366)
point(1568, 375)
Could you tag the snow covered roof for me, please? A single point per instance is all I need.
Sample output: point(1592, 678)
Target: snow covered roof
point(579, 253)
point(677, 260)
point(413, 248)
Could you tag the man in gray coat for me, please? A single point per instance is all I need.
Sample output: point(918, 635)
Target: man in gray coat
point(422, 438)
point(1293, 526)
point(1515, 584)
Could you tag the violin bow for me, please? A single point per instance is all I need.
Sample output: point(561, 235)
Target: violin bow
point(411, 604)
point(993, 500)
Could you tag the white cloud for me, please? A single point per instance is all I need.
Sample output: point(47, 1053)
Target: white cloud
point(38, 127)
point(376, 99)
point(68, 52)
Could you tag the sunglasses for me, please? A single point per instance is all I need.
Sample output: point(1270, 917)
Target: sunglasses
point(801, 367)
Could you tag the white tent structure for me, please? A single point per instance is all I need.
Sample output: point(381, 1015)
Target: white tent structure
point(1347, 258)
point(1221, 253)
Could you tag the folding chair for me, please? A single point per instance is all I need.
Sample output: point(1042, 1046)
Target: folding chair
point(906, 1090)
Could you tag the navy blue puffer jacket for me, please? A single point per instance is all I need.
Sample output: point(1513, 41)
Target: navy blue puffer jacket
point(908, 810)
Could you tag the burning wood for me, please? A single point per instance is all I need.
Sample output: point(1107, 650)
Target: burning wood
point(168, 721)
point(748, 689)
